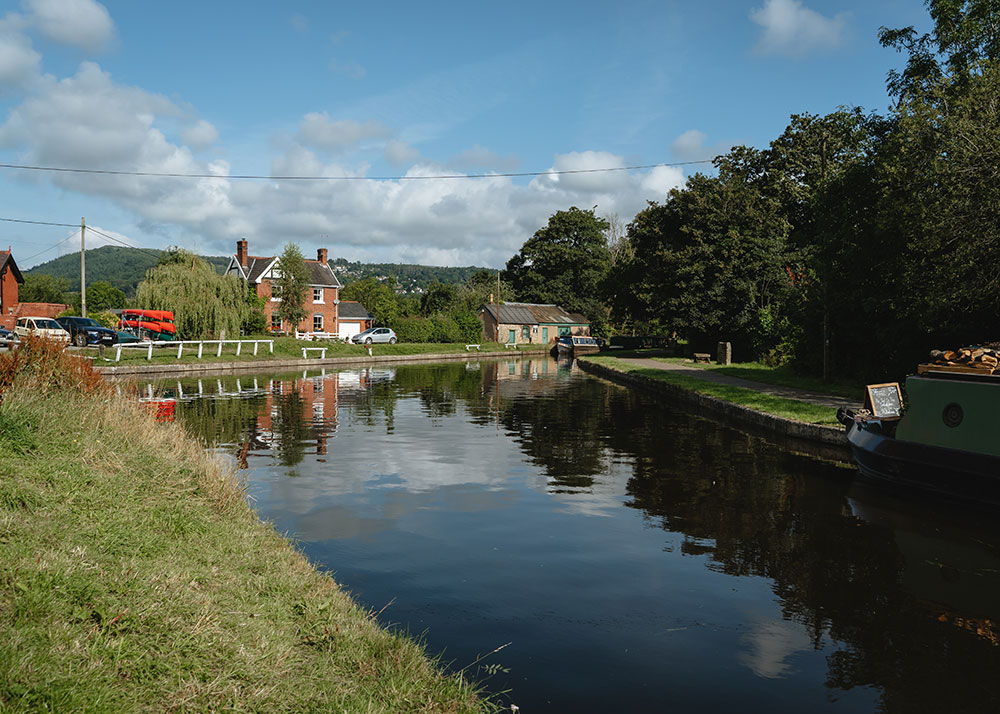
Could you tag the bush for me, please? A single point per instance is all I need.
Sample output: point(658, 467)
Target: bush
point(412, 329)
point(41, 365)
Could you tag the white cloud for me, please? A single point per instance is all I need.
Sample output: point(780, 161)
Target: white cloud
point(348, 69)
point(318, 131)
point(299, 23)
point(19, 63)
point(200, 136)
point(692, 146)
point(479, 157)
point(81, 23)
point(793, 30)
point(399, 153)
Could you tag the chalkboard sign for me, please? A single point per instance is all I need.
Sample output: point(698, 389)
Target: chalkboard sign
point(884, 400)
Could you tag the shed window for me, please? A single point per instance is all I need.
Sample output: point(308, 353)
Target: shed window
point(526, 333)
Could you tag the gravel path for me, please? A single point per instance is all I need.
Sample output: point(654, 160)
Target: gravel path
point(708, 375)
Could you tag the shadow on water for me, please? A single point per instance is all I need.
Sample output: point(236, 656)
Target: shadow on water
point(638, 556)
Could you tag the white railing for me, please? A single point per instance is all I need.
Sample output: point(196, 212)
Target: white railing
point(180, 344)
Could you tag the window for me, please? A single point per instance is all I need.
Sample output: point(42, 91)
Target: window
point(317, 323)
point(275, 292)
point(317, 294)
point(275, 322)
point(563, 331)
point(526, 333)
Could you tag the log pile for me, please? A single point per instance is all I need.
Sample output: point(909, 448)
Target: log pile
point(979, 360)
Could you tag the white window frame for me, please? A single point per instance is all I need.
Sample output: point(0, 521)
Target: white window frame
point(280, 325)
point(275, 288)
point(319, 300)
point(318, 316)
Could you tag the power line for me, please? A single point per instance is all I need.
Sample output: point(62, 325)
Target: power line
point(127, 245)
point(40, 223)
point(71, 235)
point(256, 177)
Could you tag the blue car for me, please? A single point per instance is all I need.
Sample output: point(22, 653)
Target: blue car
point(85, 331)
point(6, 337)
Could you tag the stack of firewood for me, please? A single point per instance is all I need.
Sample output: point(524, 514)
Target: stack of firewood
point(984, 359)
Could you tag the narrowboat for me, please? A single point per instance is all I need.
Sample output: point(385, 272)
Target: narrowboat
point(946, 441)
point(575, 345)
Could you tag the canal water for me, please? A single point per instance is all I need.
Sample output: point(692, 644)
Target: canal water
point(577, 546)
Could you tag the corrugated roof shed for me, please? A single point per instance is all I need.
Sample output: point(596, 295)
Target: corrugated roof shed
point(525, 313)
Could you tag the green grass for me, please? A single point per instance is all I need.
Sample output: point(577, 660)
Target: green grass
point(286, 348)
point(135, 578)
point(780, 376)
point(778, 406)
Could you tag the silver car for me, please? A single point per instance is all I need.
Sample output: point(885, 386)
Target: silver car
point(375, 334)
point(42, 327)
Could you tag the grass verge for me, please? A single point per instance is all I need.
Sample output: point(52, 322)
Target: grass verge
point(286, 348)
point(778, 406)
point(135, 578)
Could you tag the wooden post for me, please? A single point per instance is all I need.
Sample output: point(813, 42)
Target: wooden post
point(83, 268)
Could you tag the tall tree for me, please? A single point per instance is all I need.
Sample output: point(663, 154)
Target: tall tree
point(292, 284)
point(564, 263)
point(377, 297)
point(40, 287)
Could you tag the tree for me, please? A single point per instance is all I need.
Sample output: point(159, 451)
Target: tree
point(292, 284)
point(439, 297)
point(43, 288)
point(102, 296)
point(564, 263)
point(377, 297)
point(204, 303)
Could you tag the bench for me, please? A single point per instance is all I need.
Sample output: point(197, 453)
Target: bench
point(702, 357)
point(321, 350)
point(469, 347)
point(510, 345)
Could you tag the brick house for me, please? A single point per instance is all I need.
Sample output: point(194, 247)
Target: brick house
point(11, 307)
point(322, 299)
point(530, 323)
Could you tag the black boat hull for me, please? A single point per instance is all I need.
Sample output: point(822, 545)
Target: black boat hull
point(949, 472)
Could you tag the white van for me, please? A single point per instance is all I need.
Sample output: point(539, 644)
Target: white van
point(42, 327)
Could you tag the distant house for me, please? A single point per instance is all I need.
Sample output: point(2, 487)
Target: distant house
point(10, 306)
point(321, 301)
point(354, 318)
point(530, 323)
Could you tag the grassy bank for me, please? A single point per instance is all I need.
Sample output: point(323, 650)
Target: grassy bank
point(134, 577)
point(287, 348)
point(778, 406)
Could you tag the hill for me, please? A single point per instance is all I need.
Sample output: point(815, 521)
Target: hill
point(126, 267)
point(123, 267)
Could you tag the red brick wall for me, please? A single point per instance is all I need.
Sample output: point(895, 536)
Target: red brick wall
point(328, 309)
point(8, 287)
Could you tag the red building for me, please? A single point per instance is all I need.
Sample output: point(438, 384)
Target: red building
point(321, 302)
point(11, 307)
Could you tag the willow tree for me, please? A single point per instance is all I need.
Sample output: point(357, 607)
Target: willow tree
point(204, 303)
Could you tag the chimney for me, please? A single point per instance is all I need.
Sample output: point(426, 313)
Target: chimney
point(321, 256)
point(241, 252)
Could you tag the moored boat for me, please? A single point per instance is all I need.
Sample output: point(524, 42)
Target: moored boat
point(574, 345)
point(947, 441)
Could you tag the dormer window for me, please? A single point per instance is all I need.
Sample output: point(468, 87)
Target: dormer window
point(317, 295)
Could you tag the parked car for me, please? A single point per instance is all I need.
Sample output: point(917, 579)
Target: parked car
point(6, 337)
point(85, 331)
point(41, 327)
point(374, 334)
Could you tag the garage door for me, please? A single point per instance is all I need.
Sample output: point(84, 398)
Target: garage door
point(349, 329)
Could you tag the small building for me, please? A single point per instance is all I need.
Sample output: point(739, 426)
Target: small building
point(354, 319)
point(530, 323)
point(10, 278)
point(321, 302)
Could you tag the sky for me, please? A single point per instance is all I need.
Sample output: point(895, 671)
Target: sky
point(381, 94)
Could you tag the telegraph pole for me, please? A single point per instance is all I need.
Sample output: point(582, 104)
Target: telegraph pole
point(826, 278)
point(498, 306)
point(83, 267)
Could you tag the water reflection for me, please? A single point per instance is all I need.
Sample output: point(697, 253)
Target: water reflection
point(635, 554)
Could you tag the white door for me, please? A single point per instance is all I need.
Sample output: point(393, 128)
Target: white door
point(349, 329)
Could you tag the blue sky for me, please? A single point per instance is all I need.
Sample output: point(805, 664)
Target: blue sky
point(398, 89)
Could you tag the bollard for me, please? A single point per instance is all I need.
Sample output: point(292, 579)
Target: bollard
point(724, 355)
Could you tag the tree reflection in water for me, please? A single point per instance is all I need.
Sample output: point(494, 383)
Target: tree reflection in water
point(909, 592)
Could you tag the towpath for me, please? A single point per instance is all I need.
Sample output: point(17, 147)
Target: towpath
point(708, 375)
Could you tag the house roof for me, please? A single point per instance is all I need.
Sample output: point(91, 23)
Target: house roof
point(352, 310)
point(527, 313)
point(7, 261)
point(320, 275)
